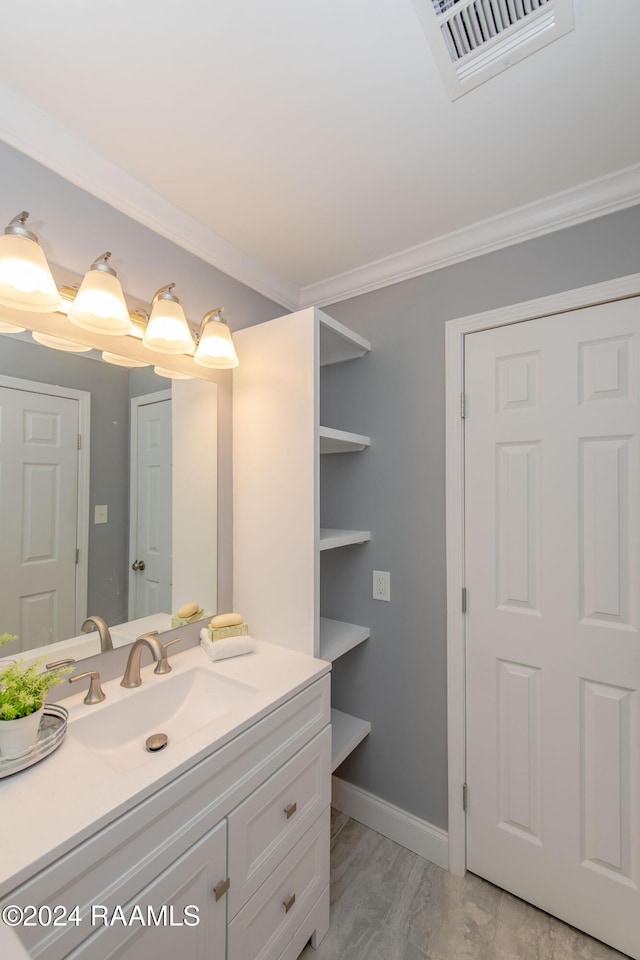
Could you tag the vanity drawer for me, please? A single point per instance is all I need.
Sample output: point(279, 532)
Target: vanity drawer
point(264, 828)
point(267, 923)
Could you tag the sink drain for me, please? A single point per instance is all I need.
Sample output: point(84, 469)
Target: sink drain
point(157, 741)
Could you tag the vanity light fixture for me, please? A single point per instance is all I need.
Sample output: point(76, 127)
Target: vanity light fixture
point(59, 343)
point(6, 327)
point(123, 361)
point(171, 374)
point(99, 304)
point(215, 345)
point(25, 278)
point(168, 330)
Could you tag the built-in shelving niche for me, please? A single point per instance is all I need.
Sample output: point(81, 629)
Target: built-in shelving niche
point(277, 540)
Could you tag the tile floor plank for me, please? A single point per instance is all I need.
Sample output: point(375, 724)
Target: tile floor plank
point(390, 904)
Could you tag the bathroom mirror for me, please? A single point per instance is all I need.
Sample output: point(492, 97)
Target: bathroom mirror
point(92, 501)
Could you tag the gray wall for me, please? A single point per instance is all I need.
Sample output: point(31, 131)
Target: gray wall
point(74, 228)
point(397, 679)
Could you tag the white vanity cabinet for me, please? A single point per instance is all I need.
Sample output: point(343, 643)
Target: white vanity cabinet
point(239, 840)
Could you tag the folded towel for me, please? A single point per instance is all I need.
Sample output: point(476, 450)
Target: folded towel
point(229, 647)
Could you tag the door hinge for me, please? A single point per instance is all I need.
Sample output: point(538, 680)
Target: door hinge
point(465, 796)
point(79, 441)
point(463, 405)
point(77, 554)
point(464, 599)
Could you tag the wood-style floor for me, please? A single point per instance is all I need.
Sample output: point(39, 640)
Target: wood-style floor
point(389, 904)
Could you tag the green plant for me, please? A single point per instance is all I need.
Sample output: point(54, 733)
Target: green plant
point(23, 689)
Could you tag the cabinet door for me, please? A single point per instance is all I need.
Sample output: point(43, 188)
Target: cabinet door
point(192, 923)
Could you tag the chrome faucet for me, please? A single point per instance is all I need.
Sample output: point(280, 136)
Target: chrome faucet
point(97, 623)
point(158, 649)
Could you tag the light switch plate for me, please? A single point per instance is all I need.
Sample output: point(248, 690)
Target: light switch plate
point(101, 513)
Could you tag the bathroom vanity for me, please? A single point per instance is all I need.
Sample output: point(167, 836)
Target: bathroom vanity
point(217, 847)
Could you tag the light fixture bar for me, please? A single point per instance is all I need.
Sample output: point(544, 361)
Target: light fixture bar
point(96, 307)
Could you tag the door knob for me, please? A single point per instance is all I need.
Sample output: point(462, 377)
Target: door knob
point(138, 565)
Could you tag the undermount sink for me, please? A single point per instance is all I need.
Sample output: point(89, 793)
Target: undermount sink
point(177, 705)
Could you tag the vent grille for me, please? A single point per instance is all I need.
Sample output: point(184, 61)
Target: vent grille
point(471, 26)
point(441, 6)
point(472, 40)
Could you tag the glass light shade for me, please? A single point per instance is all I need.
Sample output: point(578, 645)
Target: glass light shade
point(99, 305)
point(216, 349)
point(58, 343)
point(6, 327)
point(171, 374)
point(25, 277)
point(168, 330)
point(123, 361)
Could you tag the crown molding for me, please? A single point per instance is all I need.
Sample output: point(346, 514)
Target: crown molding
point(577, 205)
point(32, 131)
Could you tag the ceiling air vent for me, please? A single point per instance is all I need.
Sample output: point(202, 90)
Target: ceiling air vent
point(473, 40)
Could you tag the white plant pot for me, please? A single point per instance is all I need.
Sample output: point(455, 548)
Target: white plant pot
point(18, 736)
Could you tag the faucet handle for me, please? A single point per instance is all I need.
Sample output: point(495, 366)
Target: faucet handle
point(59, 663)
point(163, 665)
point(95, 693)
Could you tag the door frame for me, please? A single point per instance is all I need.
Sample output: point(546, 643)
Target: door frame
point(83, 500)
point(136, 402)
point(455, 332)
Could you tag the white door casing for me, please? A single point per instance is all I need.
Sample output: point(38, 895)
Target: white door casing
point(150, 509)
point(553, 658)
point(455, 334)
point(39, 454)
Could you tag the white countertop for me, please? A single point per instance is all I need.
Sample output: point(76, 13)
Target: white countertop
point(50, 807)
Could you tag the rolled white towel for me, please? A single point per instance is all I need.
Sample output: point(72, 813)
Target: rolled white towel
point(229, 647)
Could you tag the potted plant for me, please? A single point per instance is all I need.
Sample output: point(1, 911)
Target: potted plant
point(22, 693)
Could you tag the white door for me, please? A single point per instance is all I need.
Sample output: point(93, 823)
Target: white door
point(553, 652)
point(150, 576)
point(38, 516)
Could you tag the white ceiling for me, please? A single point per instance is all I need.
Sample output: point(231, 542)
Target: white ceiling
point(315, 136)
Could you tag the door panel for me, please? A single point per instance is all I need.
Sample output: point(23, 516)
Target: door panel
point(553, 654)
point(151, 586)
point(38, 515)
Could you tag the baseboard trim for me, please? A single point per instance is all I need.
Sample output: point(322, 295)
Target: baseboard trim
point(392, 822)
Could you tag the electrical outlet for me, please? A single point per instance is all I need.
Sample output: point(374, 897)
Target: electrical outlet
point(381, 585)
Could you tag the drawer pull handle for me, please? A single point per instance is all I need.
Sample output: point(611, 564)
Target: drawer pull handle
point(221, 888)
point(289, 902)
point(290, 810)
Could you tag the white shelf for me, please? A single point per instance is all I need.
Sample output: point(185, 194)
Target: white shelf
point(338, 343)
point(341, 441)
point(336, 638)
point(346, 733)
point(330, 539)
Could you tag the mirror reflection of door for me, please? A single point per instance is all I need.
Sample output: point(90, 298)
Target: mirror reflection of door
point(150, 551)
point(39, 453)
